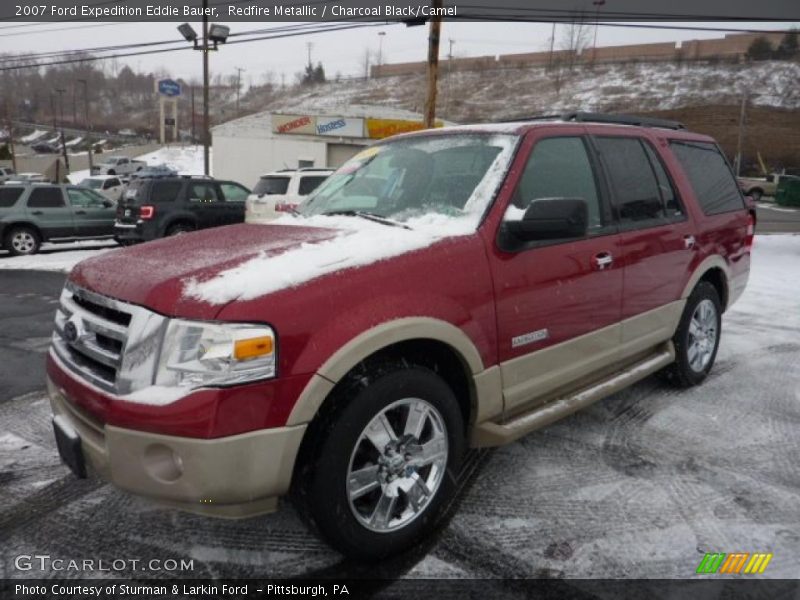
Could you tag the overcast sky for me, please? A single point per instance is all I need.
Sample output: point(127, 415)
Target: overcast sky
point(341, 52)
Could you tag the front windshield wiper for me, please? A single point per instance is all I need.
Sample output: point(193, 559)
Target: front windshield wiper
point(366, 215)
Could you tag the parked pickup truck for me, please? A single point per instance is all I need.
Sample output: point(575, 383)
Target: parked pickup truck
point(447, 288)
point(118, 165)
point(756, 187)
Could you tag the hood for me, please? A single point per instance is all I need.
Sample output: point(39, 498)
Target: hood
point(153, 274)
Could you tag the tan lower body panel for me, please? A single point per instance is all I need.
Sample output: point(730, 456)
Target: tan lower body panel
point(235, 476)
point(497, 434)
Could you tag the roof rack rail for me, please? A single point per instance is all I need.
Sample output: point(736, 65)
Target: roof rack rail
point(586, 117)
point(528, 118)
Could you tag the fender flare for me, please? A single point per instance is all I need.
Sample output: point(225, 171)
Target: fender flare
point(368, 343)
point(711, 262)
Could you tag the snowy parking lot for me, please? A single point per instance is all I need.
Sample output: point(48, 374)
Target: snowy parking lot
point(639, 485)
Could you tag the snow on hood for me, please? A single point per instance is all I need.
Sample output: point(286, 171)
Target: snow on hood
point(358, 242)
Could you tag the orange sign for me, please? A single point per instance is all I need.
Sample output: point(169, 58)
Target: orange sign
point(378, 129)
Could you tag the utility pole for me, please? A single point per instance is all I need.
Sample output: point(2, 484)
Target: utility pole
point(238, 87)
point(433, 65)
point(597, 4)
point(450, 41)
point(206, 157)
point(53, 111)
point(85, 84)
point(742, 119)
point(552, 46)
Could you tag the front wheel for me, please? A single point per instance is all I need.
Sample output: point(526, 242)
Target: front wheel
point(697, 337)
point(383, 472)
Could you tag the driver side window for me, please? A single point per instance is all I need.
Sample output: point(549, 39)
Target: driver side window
point(557, 168)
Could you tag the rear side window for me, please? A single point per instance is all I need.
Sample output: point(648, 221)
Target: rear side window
point(309, 183)
point(9, 196)
point(202, 192)
point(165, 191)
point(710, 176)
point(271, 185)
point(46, 197)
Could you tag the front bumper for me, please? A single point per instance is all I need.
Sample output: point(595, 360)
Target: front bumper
point(233, 477)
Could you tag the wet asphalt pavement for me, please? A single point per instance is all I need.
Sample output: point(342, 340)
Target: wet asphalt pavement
point(641, 484)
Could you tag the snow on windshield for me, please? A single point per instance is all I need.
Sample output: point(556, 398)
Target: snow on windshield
point(359, 241)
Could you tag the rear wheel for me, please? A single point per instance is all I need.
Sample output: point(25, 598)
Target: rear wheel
point(22, 241)
point(379, 478)
point(697, 337)
point(179, 228)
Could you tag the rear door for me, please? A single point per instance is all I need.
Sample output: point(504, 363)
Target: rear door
point(91, 215)
point(657, 239)
point(49, 211)
point(204, 200)
point(234, 196)
point(558, 301)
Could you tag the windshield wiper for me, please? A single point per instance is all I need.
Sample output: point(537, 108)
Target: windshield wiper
point(366, 215)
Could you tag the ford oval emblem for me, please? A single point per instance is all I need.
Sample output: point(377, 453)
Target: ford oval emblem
point(71, 332)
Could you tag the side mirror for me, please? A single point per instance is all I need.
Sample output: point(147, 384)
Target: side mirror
point(107, 203)
point(551, 219)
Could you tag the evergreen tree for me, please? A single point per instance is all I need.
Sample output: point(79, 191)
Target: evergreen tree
point(760, 49)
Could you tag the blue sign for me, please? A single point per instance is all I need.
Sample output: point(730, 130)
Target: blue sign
point(169, 87)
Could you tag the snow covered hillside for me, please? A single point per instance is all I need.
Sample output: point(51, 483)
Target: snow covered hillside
point(504, 93)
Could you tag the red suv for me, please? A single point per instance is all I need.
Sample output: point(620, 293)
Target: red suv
point(443, 289)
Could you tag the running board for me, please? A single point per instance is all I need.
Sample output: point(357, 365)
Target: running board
point(496, 434)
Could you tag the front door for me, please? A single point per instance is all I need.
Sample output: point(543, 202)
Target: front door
point(205, 202)
point(91, 213)
point(49, 212)
point(558, 301)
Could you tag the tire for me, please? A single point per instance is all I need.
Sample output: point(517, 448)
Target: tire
point(756, 194)
point(179, 228)
point(401, 490)
point(697, 338)
point(22, 241)
point(111, 172)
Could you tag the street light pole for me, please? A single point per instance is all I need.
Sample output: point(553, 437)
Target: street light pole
point(238, 87)
point(61, 92)
point(381, 34)
point(85, 84)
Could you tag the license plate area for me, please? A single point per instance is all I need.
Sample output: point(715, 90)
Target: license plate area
point(69, 446)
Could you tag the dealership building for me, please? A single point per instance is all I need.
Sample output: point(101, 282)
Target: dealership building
point(246, 148)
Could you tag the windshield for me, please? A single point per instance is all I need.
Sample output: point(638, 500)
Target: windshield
point(451, 174)
point(271, 185)
point(92, 183)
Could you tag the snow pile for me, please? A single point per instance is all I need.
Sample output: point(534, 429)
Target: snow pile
point(186, 160)
point(32, 137)
point(73, 142)
point(360, 242)
point(56, 257)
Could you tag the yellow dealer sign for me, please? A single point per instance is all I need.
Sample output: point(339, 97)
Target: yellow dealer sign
point(381, 128)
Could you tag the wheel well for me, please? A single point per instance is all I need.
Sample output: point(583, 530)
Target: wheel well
point(7, 228)
point(179, 221)
point(716, 277)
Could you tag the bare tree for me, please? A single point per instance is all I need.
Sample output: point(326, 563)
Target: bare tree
point(575, 38)
point(366, 60)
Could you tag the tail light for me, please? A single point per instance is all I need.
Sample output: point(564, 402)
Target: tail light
point(751, 231)
point(146, 212)
point(284, 207)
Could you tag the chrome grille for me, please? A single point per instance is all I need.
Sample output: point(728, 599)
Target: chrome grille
point(109, 343)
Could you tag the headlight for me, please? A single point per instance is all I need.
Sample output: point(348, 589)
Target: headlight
point(196, 354)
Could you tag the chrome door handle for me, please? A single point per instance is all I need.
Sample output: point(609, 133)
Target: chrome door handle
point(688, 242)
point(603, 260)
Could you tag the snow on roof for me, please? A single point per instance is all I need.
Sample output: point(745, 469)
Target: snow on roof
point(259, 125)
point(32, 137)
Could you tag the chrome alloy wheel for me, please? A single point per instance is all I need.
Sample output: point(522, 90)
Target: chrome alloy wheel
point(397, 465)
point(702, 335)
point(23, 242)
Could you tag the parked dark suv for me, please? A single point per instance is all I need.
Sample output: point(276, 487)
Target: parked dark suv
point(34, 213)
point(156, 207)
